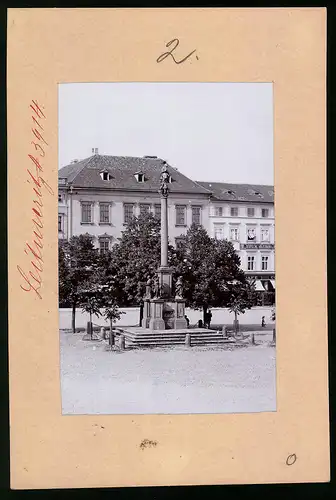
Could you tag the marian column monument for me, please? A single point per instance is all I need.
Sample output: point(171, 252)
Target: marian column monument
point(164, 311)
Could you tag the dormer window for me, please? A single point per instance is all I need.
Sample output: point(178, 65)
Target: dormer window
point(140, 177)
point(229, 192)
point(105, 175)
point(254, 192)
point(257, 193)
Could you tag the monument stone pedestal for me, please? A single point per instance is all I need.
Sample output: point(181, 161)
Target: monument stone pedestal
point(164, 311)
point(161, 314)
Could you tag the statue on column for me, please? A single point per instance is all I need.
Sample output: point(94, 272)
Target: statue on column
point(148, 294)
point(157, 288)
point(179, 288)
point(164, 179)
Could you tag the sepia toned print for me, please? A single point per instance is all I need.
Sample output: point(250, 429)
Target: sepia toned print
point(56, 443)
point(166, 273)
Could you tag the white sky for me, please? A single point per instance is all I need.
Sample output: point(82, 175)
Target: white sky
point(209, 131)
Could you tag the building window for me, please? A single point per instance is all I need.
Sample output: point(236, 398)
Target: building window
point(196, 215)
point(86, 212)
point(104, 245)
point(264, 234)
point(250, 212)
point(219, 232)
point(234, 211)
point(234, 233)
point(178, 242)
point(251, 234)
point(250, 262)
point(264, 212)
point(157, 211)
point(140, 177)
point(181, 212)
point(60, 198)
point(144, 208)
point(264, 263)
point(128, 212)
point(219, 211)
point(59, 223)
point(105, 175)
point(104, 209)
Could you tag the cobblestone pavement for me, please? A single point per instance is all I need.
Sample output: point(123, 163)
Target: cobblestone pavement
point(221, 379)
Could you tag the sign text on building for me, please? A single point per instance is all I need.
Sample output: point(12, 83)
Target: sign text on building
point(264, 246)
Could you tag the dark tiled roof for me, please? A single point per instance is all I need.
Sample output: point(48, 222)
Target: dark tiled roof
point(86, 174)
point(70, 171)
point(239, 192)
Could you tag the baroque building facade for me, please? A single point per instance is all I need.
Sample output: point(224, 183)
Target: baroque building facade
point(244, 215)
point(98, 196)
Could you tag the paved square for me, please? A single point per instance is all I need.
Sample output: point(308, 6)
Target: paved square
point(219, 379)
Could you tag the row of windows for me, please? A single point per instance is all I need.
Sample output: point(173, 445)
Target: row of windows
point(145, 208)
point(180, 213)
point(139, 176)
point(237, 211)
point(217, 212)
point(251, 263)
point(235, 234)
point(105, 246)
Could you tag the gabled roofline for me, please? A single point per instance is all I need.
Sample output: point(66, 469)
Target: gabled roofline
point(129, 190)
point(236, 184)
point(86, 162)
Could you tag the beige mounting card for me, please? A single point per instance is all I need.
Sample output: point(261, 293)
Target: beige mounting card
point(284, 46)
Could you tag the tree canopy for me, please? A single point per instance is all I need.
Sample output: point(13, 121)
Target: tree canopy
point(136, 258)
point(78, 260)
point(209, 269)
point(206, 266)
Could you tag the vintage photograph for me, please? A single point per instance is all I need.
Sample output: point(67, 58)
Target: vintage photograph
point(166, 231)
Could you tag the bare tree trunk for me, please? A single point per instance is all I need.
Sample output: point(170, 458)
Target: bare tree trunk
point(236, 323)
point(111, 332)
point(205, 308)
point(141, 313)
point(73, 319)
point(91, 326)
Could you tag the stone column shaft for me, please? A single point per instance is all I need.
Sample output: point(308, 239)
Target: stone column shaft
point(164, 231)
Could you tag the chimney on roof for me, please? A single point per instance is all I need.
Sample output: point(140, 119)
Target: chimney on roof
point(94, 151)
point(148, 156)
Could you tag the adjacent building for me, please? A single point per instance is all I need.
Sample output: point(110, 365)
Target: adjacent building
point(99, 195)
point(244, 215)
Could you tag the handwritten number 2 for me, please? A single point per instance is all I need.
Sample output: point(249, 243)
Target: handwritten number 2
point(163, 56)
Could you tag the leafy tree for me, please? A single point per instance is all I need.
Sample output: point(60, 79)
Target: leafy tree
point(241, 295)
point(136, 258)
point(77, 265)
point(112, 313)
point(64, 285)
point(90, 305)
point(206, 266)
point(109, 294)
